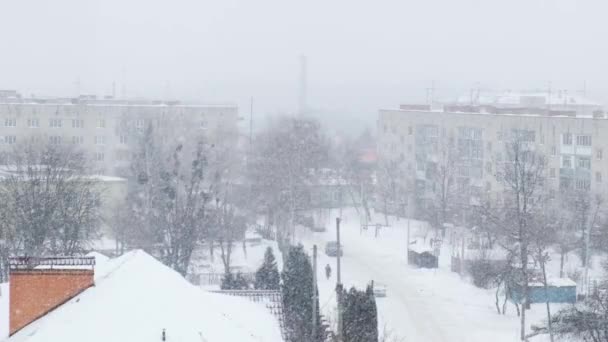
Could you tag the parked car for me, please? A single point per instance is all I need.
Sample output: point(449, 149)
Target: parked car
point(379, 289)
point(318, 229)
point(306, 221)
point(331, 249)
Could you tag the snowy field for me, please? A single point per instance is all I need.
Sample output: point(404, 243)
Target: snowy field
point(421, 304)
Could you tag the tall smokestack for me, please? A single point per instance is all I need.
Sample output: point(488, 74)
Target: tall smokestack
point(302, 96)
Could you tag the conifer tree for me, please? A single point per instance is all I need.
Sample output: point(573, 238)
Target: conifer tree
point(267, 276)
point(297, 291)
point(360, 316)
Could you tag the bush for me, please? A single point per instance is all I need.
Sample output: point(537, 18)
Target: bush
point(231, 282)
point(483, 272)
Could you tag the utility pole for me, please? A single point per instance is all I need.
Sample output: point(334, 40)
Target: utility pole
point(407, 250)
point(251, 123)
point(338, 281)
point(314, 291)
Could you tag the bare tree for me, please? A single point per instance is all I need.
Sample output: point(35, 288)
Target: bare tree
point(228, 227)
point(387, 187)
point(50, 205)
point(283, 165)
point(169, 196)
point(521, 175)
point(442, 175)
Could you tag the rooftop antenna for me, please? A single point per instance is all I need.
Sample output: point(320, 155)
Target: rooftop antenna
point(124, 83)
point(77, 86)
point(430, 93)
point(303, 86)
point(167, 91)
point(113, 89)
point(549, 98)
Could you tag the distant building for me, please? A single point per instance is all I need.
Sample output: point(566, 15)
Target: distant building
point(569, 130)
point(104, 127)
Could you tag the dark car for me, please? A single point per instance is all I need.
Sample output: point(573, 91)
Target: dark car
point(318, 229)
point(331, 249)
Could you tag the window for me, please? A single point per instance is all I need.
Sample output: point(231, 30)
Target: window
point(10, 122)
point(599, 154)
point(402, 139)
point(499, 135)
point(523, 135)
point(584, 163)
point(489, 146)
point(583, 184)
point(542, 139)
point(101, 123)
point(552, 172)
point(77, 140)
point(598, 177)
point(139, 124)
point(100, 140)
point(10, 139)
point(583, 140)
point(55, 123)
point(77, 123)
point(123, 139)
point(488, 167)
point(203, 124)
point(566, 162)
point(33, 123)
point(553, 150)
point(567, 139)
point(410, 131)
point(99, 156)
point(55, 140)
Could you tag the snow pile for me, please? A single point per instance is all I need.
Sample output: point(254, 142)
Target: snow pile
point(3, 310)
point(135, 297)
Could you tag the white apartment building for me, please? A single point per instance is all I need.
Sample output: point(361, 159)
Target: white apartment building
point(573, 138)
point(104, 127)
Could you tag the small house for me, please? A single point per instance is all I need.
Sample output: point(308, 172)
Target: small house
point(422, 255)
point(559, 290)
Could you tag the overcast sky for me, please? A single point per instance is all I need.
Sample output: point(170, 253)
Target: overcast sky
point(362, 55)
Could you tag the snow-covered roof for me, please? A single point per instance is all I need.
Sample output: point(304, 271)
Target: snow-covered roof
point(420, 246)
point(135, 297)
point(559, 98)
point(556, 282)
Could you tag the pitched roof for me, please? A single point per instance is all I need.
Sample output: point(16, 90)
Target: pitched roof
point(135, 297)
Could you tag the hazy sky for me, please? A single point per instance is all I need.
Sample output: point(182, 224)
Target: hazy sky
point(362, 55)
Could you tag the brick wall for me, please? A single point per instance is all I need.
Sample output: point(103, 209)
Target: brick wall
point(33, 293)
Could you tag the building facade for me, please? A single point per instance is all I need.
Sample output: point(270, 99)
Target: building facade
point(422, 142)
point(104, 128)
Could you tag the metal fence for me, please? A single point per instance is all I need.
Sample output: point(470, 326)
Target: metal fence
point(206, 279)
point(271, 299)
point(18, 263)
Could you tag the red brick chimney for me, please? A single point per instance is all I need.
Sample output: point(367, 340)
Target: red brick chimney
point(39, 285)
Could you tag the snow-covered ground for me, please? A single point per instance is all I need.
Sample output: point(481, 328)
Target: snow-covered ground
point(135, 297)
point(421, 304)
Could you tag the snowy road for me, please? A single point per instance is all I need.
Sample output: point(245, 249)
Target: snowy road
point(421, 305)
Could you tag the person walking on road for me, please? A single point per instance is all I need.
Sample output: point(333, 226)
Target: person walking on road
point(327, 271)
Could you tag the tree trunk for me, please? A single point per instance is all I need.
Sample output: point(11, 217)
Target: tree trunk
point(562, 255)
point(524, 270)
point(542, 265)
